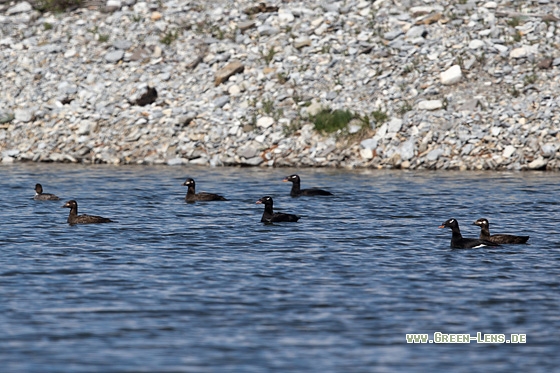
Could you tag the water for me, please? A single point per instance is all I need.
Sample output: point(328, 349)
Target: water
point(205, 287)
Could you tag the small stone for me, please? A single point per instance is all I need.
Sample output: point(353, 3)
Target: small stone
point(221, 101)
point(232, 68)
point(70, 53)
point(394, 125)
point(314, 108)
point(508, 151)
point(23, 115)
point(366, 154)
point(369, 143)
point(416, 32)
point(114, 56)
point(255, 161)
point(353, 128)
point(434, 154)
point(430, 105)
point(139, 54)
point(157, 52)
point(114, 4)
point(285, 15)
point(234, 90)
point(549, 149)
point(22, 7)
point(246, 25)
point(302, 42)
point(501, 48)
point(175, 161)
point(122, 44)
point(156, 16)
point(519, 52)
point(545, 63)
point(84, 128)
point(451, 76)
point(406, 150)
point(265, 122)
point(247, 152)
point(476, 44)
point(266, 30)
point(538, 164)
point(391, 35)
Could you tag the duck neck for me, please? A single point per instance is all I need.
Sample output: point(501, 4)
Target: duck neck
point(268, 209)
point(295, 188)
point(73, 213)
point(456, 233)
point(190, 192)
point(268, 213)
point(484, 232)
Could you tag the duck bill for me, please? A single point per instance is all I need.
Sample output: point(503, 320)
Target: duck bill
point(441, 226)
point(258, 202)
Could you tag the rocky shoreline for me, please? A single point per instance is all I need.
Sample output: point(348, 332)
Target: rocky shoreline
point(466, 85)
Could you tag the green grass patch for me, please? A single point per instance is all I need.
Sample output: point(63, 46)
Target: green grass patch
point(269, 55)
point(169, 37)
point(57, 6)
point(330, 121)
point(379, 116)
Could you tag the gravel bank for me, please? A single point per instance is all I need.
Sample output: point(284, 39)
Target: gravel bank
point(453, 84)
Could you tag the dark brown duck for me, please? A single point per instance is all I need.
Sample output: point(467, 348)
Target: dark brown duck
point(297, 191)
point(74, 218)
point(40, 196)
point(498, 238)
point(192, 196)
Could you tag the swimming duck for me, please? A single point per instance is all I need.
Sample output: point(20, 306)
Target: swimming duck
point(297, 191)
point(498, 238)
point(269, 216)
point(74, 218)
point(192, 196)
point(40, 196)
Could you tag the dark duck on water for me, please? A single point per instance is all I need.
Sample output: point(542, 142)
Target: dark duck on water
point(269, 216)
point(498, 238)
point(40, 196)
point(192, 196)
point(297, 191)
point(74, 218)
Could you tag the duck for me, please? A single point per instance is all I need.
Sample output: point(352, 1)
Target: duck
point(40, 196)
point(192, 196)
point(74, 218)
point(269, 216)
point(297, 191)
point(460, 242)
point(498, 238)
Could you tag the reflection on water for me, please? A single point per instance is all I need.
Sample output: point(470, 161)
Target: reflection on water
point(207, 287)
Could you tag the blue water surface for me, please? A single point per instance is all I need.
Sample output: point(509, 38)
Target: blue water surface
point(206, 287)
